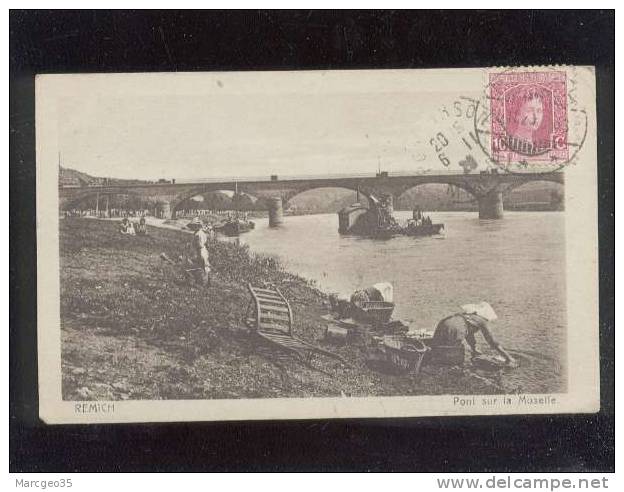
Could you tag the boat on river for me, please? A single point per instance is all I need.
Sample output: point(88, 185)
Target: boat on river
point(423, 229)
point(237, 223)
point(235, 227)
point(377, 222)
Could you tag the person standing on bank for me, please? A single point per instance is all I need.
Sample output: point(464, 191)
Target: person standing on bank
point(199, 245)
point(475, 318)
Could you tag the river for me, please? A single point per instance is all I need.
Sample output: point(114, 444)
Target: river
point(516, 264)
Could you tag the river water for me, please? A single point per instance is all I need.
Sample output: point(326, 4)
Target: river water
point(516, 264)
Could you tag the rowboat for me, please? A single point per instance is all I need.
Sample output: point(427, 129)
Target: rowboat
point(423, 229)
point(235, 227)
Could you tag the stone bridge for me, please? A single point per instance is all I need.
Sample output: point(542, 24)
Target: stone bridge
point(486, 187)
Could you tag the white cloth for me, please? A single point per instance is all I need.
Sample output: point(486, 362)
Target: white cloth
point(482, 309)
point(386, 290)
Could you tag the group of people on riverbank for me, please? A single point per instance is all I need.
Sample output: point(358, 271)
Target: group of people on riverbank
point(133, 229)
point(105, 213)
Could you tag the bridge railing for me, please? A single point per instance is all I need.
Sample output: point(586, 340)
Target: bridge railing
point(278, 178)
point(293, 177)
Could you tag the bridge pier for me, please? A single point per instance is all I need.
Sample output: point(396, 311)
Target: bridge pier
point(491, 205)
point(276, 212)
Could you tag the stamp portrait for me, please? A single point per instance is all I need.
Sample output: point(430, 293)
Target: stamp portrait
point(529, 117)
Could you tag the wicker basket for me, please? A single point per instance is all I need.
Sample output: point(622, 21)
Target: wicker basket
point(406, 355)
point(375, 312)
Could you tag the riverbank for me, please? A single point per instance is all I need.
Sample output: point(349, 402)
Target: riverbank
point(133, 327)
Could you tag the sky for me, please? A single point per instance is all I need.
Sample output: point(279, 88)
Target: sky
point(112, 128)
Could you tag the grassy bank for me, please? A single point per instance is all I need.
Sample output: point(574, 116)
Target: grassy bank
point(134, 327)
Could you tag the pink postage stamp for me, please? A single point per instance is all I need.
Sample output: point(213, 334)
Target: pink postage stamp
point(529, 117)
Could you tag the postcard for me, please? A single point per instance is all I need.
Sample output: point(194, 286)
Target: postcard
point(317, 244)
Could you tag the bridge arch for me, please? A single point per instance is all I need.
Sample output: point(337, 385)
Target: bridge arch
point(198, 190)
point(228, 200)
point(520, 180)
point(533, 195)
point(288, 197)
point(75, 201)
point(452, 191)
point(463, 182)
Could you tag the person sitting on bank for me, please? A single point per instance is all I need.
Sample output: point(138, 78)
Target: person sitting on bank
point(475, 318)
point(127, 227)
point(142, 227)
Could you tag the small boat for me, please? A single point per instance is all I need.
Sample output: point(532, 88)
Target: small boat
point(374, 312)
point(423, 229)
point(235, 227)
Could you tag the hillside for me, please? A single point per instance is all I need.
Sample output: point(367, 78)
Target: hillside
point(134, 327)
point(71, 177)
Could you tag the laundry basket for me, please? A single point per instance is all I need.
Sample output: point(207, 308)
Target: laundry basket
point(405, 354)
